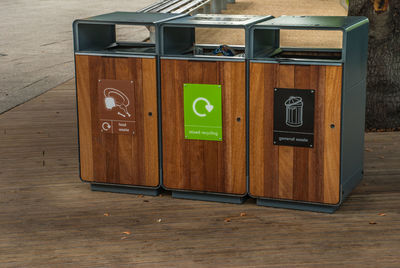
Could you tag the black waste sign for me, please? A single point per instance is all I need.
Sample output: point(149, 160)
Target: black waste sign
point(294, 117)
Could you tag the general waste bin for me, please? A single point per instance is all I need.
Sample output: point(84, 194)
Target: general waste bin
point(307, 111)
point(203, 96)
point(116, 83)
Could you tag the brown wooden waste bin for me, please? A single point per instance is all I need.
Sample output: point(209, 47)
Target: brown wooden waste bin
point(195, 165)
point(117, 104)
point(307, 109)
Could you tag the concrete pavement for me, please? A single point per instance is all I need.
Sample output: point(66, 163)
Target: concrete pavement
point(36, 49)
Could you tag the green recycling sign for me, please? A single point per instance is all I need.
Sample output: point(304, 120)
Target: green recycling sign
point(202, 112)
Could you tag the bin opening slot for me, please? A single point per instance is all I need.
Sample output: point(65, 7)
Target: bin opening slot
point(219, 42)
point(216, 50)
point(311, 38)
point(133, 33)
point(308, 54)
point(131, 47)
point(204, 42)
point(133, 39)
point(115, 38)
point(298, 44)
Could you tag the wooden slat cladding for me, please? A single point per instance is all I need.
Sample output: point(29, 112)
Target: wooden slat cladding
point(285, 79)
point(196, 164)
point(332, 134)
point(295, 173)
point(112, 158)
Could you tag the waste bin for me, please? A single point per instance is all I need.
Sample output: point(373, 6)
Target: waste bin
point(203, 96)
point(116, 83)
point(307, 111)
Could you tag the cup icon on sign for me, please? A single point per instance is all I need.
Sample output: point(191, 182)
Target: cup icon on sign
point(294, 111)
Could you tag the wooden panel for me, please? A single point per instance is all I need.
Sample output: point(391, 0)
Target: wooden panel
point(302, 75)
point(332, 135)
point(295, 173)
point(85, 133)
point(112, 158)
point(150, 121)
point(316, 155)
point(257, 114)
point(285, 79)
point(233, 79)
point(204, 165)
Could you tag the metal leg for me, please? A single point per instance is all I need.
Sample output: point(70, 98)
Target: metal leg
point(223, 4)
point(206, 9)
point(124, 189)
point(297, 205)
point(209, 197)
point(216, 6)
point(196, 11)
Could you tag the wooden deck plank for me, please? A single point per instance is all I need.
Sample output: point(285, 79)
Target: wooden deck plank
point(49, 218)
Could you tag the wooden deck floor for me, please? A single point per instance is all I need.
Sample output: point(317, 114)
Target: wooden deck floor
point(49, 218)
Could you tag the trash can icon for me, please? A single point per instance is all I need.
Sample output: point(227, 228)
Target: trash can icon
point(294, 111)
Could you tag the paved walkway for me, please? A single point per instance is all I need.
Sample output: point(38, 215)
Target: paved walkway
point(36, 43)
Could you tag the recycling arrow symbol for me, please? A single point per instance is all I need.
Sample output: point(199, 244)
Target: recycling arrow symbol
point(208, 106)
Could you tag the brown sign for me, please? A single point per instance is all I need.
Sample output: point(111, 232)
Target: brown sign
point(116, 106)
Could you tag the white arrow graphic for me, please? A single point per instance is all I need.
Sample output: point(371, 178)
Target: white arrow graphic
point(209, 107)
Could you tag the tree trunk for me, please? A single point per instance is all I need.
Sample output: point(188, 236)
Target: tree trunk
point(383, 76)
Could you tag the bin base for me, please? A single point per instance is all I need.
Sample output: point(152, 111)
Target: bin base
point(124, 189)
point(351, 183)
point(209, 197)
point(296, 205)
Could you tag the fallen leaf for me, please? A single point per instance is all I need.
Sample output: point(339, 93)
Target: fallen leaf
point(146, 201)
point(382, 214)
point(124, 237)
point(368, 150)
point(140, 196)
point(106, 214)
point(159, 220)
point(227, 220)
point(372, 222)
point(381, 157)
point(127, 233)
point(243, 214)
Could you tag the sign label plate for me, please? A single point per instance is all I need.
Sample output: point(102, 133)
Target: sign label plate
point(202, 112)
point(116, 108)
point(294, 117)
